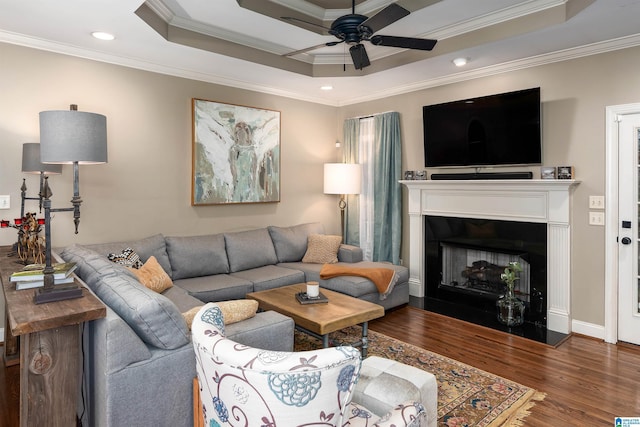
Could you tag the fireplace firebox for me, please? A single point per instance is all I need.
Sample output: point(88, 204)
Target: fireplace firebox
point(464, 258)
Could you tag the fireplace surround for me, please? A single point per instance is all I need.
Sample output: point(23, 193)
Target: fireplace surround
point(535, 201)
point(465, 258)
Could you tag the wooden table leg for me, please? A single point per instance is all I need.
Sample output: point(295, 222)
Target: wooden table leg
point(11, 345)
point(50, 377)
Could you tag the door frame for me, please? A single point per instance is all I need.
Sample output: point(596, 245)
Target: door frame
point(611, 219)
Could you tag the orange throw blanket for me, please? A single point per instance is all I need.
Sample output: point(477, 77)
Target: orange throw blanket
point(384, 278)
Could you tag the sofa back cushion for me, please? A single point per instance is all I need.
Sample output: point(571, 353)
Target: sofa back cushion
point(156, 320)
point(196, 256)
point(290, 243)
point(153, 245)
point(249, 249)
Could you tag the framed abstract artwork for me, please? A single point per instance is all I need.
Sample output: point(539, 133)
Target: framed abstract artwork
point(236, 154)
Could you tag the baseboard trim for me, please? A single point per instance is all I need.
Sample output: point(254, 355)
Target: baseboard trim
point(588, 329)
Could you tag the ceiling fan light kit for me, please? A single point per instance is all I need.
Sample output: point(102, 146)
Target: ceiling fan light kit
point(354, 29)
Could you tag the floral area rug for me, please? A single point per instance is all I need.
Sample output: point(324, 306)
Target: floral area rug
point(466, 396)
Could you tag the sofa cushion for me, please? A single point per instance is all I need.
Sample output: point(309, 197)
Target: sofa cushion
point(290, 243)
point(152, 276)
point(220, 287)
point(249, 249)
point(270, 276)
point(156, 320)
point(322, 249)
point(194, 256)
point(153, 245)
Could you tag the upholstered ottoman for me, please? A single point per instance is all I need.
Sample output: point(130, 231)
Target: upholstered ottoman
point(381, 378)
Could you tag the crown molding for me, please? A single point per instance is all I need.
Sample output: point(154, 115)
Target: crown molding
point(559, 56)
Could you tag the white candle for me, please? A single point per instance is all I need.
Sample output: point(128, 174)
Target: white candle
point(313, 289)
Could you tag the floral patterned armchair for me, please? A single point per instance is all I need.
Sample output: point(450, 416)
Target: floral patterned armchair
point(245, 386)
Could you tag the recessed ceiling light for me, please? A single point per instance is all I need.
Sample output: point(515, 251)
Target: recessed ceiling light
point(102, 35)
point(326, 87)
point(459, 62)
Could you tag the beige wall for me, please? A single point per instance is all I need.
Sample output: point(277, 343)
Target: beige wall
point(145, 187)
point(574, 96)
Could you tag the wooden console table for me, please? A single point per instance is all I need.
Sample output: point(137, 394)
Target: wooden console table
point(49, 337)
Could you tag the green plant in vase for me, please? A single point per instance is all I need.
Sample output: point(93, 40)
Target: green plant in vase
point(510, 308)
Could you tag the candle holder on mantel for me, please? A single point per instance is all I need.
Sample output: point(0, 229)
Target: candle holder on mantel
point(30, 244)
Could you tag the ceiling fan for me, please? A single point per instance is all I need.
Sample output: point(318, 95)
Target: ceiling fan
point(354, 29)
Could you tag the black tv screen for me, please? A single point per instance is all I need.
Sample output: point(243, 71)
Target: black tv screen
point(502, 129)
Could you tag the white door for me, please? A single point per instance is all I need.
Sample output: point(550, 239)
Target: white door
point(628, 237)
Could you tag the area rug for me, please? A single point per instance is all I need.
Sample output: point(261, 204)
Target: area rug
point(467, 396)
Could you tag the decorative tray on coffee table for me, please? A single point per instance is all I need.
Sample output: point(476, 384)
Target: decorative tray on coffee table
point(304, 299)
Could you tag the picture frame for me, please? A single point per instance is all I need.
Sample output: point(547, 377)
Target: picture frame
point(408, 175)
point(235, 154)
point(420, 175)
point(548, 172)
point(565, 172)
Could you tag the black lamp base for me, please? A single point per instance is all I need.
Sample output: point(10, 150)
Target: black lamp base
point(57, 293)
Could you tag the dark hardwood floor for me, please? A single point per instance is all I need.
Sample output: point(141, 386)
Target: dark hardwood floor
point(587, 382)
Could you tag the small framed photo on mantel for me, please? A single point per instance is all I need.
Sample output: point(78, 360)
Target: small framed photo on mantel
point(547, 172)
point(565, 172)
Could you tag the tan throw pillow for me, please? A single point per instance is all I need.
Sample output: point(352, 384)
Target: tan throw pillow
point(189, 315)
point(238, 310)
point(232, 311)
point(153, 276)
point(322, 249)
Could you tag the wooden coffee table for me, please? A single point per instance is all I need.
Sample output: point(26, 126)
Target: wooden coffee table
point(319, 320)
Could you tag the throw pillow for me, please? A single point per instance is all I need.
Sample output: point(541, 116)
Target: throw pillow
point(190, 314)
point(238, 310)
point(153, 276)
point(322, 249)
point(232, 311)
point(128, 257)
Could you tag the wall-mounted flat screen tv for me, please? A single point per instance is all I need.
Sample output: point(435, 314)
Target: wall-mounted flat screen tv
point(502, 129)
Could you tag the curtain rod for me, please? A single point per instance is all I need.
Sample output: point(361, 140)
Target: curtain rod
point(371, 115)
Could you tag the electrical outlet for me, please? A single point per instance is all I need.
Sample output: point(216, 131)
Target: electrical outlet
point(5, 202)
point(596, 218)
point(596, 202)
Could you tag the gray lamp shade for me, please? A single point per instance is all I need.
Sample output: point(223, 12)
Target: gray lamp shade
point(73, 136)
point(31, 160)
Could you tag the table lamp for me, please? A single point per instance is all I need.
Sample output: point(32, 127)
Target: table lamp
point(67, 137)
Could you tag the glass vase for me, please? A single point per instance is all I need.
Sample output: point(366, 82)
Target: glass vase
point(510, 309)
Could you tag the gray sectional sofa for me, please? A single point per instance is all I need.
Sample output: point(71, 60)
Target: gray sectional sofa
point(139, 362)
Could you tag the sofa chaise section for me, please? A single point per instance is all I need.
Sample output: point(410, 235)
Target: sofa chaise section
point(138, 360)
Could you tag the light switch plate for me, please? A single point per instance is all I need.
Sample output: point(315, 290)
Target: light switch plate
point(5, 202)
point(596, 218)
point(596, 202)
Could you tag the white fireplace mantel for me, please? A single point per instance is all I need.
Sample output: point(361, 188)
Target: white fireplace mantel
point(528, 200)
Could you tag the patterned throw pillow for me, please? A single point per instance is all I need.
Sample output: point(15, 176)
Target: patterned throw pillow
point(128, 258)
point(232, 311)
point(153, 276)
point(322, 249)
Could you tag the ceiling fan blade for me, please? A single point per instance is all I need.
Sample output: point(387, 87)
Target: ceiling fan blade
point(386, 16)
point(311, 48)
point(359, 56)
point(404, 42)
